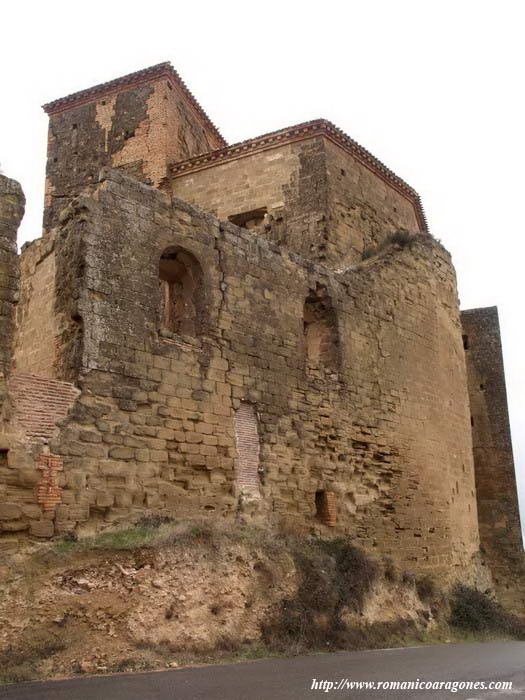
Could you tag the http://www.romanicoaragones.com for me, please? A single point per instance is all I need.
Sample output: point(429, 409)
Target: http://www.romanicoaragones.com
point(344, 684)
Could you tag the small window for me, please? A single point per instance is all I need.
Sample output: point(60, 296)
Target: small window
point(325, 507)
point(253, 220)
point(182, 293)
point(466, 343)
point(3, 458)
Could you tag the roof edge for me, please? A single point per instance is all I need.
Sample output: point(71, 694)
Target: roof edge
point(300, 132)
point(160, 70)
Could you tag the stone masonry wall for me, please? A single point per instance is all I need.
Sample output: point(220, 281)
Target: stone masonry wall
point(320, 201)
point(12, 203)
point(139, 129)
point(499, 519)
point(289, 182)
point(36, 323)
point(31, 477)
point(362, 208)
point(154, 427)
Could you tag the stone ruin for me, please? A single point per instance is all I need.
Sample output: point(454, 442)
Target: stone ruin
point(261, 331)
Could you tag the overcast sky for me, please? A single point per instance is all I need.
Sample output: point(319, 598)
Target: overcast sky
point(433, 88)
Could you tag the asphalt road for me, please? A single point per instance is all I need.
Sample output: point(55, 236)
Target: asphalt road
point(292, 679)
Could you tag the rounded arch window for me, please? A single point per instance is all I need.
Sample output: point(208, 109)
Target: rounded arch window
point(182, 292)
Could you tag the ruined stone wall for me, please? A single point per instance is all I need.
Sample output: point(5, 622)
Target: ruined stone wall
point(31, 477)
point(499, 519)
point(36, 323)
point(364, 439)
point(12, 204)
point(319, 200)
point(139, 129)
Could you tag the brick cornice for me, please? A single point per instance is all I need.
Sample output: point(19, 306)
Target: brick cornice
point(300, 132)
point(161, 70)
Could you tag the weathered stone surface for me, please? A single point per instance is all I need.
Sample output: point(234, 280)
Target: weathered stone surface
point(352, 428)
point(305, 366)
point(496, 492)
point(10, 511)
point(307, 193)
point(42, 528)
point(12, 204)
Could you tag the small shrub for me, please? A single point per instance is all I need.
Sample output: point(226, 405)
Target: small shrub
point(154, 521)
point(390, 571)
point(127, 664)
point(19, 663)
point(400, 238)
point(408, 578)
point(426, 588)
point(18, 674)
point(356, 572)
point(227, 643)
point(334, 575)
point(474, 611)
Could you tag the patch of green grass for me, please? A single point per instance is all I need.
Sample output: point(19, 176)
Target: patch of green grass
point(132, 538)
point(165, 532)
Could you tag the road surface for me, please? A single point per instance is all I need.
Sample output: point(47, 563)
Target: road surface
point(307, 677)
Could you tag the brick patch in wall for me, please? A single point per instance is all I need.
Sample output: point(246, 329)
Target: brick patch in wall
point(40, 403)
point(48, 493)
point(325, 505)
point(248, 447)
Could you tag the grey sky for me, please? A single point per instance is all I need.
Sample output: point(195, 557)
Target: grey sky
point(433, 88)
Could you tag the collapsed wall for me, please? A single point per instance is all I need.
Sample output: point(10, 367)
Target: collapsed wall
point(30, 406)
